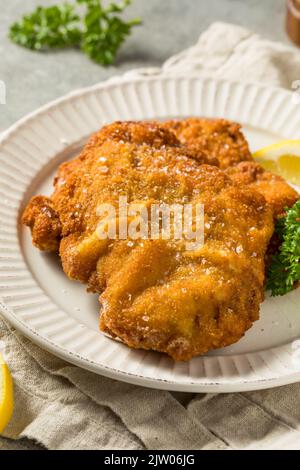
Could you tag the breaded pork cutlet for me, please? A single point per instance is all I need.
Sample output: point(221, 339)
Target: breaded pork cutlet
point(155, 293)
point(224, 141)
point(277, 192)
point(219, 139)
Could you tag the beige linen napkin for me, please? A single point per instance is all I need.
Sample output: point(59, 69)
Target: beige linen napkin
point(61, 406)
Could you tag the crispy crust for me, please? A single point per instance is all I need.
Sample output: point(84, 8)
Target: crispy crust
point(43, 221)
point(223, 141)
point(156, 294)
point(218, 139)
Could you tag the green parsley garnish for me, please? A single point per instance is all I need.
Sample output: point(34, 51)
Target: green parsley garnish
point(284, 272)
point(99, 32)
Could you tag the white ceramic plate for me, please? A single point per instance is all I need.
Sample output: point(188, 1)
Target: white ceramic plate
point(57, 314)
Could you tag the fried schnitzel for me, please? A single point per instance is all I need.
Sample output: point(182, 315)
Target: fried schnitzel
point(219, 139)
point(277, 192)
point(223, 140)
point(156, 294)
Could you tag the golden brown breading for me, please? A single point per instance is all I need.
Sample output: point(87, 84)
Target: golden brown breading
point(44, 223)
point(165, 298)
point(274, 188)
point(219, 139)
point(223, 141)
point(156, 294)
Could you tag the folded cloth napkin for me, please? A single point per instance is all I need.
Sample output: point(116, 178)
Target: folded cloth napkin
point(60, 406)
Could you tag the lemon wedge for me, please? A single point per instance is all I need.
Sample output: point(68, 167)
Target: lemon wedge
point(6, 395)
point(282, 158)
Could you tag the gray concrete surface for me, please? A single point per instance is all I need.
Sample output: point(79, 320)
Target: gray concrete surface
point(169, 26)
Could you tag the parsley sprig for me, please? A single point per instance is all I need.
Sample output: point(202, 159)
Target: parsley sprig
point(284, 272)
point(104, 31)
point(51, 27)
point(99, 32)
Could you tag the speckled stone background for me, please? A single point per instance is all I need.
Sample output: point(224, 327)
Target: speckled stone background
point(169, 26)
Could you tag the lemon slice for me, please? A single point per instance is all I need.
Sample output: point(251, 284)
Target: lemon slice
point(6, 395)
point(282, 158)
